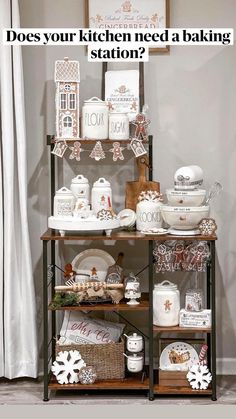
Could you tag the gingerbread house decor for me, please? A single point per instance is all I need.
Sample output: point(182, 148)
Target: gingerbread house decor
point(67, 79)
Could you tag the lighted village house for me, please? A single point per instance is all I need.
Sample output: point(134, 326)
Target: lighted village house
point(67, 79)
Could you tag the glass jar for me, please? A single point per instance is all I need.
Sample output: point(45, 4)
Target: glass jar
point(194, 300)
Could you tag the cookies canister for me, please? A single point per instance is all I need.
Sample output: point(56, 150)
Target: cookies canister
point(166, 304)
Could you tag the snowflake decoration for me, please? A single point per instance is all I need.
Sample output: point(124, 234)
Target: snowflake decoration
point(76, 151)
point(87, 375)
point(152, 196)
point(67, 366)
point(117, 151)
point(199, 377)
point(104, 215)
point(207, 226)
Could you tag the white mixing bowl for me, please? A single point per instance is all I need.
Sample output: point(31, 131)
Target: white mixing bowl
point(186, 198)
point(184, 218)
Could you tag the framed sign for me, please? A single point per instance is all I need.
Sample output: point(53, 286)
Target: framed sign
point(130, 14)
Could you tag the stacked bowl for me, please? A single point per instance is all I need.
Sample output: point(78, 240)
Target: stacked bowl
point(185, 207)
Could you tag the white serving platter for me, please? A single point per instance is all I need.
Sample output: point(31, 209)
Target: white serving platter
point(74, 224)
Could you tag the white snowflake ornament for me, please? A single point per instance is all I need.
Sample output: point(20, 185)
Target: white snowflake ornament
point(199, 377)
point(66, 367)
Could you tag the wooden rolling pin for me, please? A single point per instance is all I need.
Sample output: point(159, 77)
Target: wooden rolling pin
point(78, 287)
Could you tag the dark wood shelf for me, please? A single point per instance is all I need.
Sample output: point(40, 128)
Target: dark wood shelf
point(178, 329)
point(130, 383)
point(51, 234)
point(161, 390)
point(123, 306)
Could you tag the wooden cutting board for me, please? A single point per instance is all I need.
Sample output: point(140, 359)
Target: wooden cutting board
point(133, 189)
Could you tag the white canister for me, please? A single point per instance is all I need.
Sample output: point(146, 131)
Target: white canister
point(134, 362)
point(118, 126)
point(134, 343)
point(64, 202)
point(101, 197)
point(148, 215)
point(80, 187)
point(95, 119)
point(166, 304)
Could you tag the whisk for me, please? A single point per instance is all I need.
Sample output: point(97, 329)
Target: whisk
point(213, 192)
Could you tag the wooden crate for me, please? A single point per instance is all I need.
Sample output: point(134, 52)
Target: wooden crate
point(173, 378)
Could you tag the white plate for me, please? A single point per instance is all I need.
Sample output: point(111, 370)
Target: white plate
point(181, 349)
point(155, 233)
point(85, 261)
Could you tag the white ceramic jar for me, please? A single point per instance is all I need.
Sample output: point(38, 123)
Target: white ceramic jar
point(134, 362)
point(166, 304)
point(95, 119)
point(118, 126)
point(64, 202)
point(134, 343)
point(101, 197)
point(80, 187)
point(148, 215)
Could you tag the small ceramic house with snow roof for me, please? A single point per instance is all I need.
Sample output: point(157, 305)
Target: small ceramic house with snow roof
point(67, 79)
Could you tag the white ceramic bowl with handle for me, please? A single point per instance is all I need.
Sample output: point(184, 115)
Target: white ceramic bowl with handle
point(186, 198)
point(184, 218)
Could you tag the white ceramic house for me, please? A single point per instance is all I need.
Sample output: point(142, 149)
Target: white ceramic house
point(67, 79)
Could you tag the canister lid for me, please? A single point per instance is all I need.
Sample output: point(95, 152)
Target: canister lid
point(135, 337)
point(101, 183)
point(166, 286)
point(64, 191)
point(80, 179)
point(95, 101)
point(135, 357)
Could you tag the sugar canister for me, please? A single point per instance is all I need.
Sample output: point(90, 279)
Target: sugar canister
point(118, 126)
point(166, 304)
point(95, 119)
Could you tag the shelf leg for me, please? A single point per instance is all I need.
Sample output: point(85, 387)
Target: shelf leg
point(150, 273)
point(53, 283)
point(213, 334)
point(45, 320)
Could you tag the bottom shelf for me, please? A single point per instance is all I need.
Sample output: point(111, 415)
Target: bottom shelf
point(181, 391)
point(130, 383)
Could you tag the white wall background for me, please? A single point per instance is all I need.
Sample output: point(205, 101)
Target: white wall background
point(191, 93)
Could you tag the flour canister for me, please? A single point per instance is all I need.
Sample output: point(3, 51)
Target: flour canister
point(95, 119)
point(64, 202)
point(118, 126)
point(148, 215)
point(166, 304)
point(80, 187)
point(101, 195)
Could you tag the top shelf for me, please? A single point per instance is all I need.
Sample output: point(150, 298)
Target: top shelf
point(51, 140)
point(120, 235)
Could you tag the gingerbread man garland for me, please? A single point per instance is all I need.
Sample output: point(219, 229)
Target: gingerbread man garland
point(76, 151)
point(117, 151)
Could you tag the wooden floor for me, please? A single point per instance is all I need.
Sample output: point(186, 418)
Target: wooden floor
point(29, 392)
